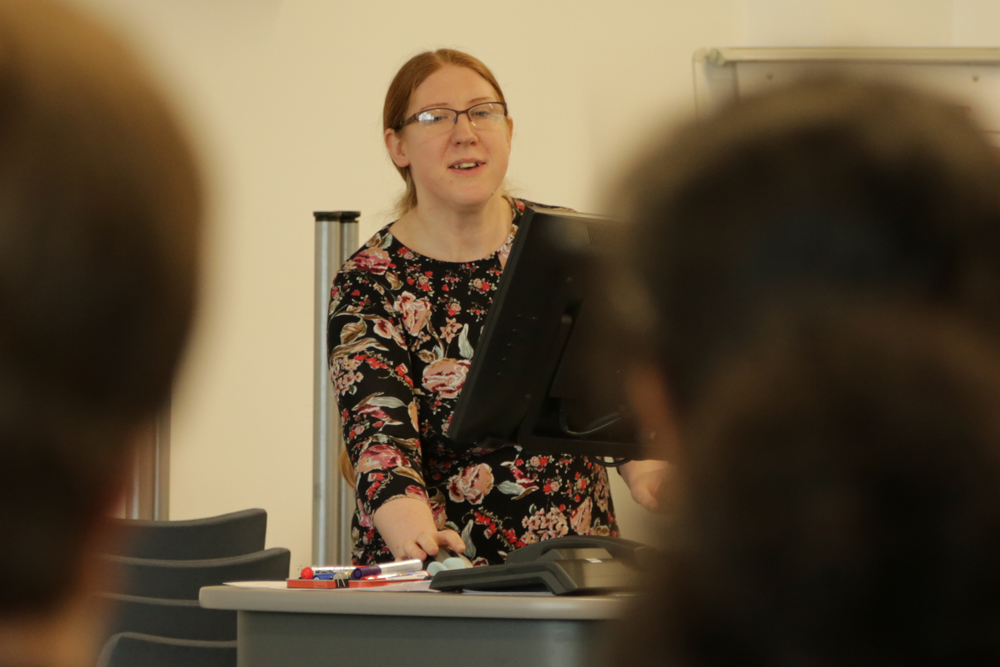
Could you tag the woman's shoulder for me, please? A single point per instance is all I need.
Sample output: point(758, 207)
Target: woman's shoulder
point(372, 268)
point(377, 259)
point(522, 204)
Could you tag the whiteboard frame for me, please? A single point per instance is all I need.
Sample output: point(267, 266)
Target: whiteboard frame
point(716, 77)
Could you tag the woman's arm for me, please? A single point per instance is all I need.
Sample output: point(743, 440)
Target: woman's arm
point(370, 369)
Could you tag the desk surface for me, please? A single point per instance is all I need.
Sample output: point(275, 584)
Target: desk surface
point(450, 605)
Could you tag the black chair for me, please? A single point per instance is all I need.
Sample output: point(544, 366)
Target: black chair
point(182, 579)
point(157, 621)
point(224, 536)
point(130, 649)
point(176, 619)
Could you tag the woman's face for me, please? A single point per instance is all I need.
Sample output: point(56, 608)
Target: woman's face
point(460, 167)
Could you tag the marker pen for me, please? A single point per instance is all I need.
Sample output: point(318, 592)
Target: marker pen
point(329, 571)
point(331, 584)
point(397, 576)
point(385, 579)
point(397, 567)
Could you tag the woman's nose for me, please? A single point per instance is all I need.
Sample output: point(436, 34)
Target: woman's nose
point(464, 130)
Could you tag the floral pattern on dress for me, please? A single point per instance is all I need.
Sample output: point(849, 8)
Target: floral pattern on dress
point(402, 331)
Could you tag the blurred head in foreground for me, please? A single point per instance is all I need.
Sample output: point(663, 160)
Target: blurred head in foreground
point(825, 191)
point(100, 211)
point(818, 274)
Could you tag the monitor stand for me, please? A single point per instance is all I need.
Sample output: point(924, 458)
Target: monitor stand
point(573, 565)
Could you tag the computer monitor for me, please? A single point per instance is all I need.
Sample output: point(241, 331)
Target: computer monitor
point(529, 378)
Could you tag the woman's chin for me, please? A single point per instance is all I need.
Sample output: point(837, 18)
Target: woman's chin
point(469, 198)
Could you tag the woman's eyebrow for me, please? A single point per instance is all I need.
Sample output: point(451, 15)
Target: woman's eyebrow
point(443, 105)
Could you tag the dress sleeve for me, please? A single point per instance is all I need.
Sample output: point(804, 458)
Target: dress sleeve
point(370, 366)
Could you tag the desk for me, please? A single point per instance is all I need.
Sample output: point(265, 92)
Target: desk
point(309, 628)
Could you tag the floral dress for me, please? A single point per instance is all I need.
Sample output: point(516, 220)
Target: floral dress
point(402, 330)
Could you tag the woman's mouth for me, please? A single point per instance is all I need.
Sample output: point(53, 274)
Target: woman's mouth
point(466, 165)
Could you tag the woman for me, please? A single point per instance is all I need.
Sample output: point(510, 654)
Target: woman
point(406, 314)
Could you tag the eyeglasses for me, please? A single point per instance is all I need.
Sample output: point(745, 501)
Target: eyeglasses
point(483, 116)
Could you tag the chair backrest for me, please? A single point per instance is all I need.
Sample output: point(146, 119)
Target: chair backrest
point(132, 649)
point(181, 580)
point(178, 619)
point(223, 536)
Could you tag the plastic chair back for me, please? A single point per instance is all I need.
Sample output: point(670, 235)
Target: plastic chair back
point(181, 580)
point(223, 536)
point(132, 649)
point(178, 619)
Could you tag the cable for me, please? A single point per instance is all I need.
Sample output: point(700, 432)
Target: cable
point(595, 426)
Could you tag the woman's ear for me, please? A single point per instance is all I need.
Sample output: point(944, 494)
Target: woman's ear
point(394, 143)
point(510, 130)
point(653, 408)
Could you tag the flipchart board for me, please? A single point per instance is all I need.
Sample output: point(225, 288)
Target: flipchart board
point(970, 76)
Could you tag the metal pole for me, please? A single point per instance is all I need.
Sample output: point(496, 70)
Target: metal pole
point(148, 493)
point(330, 532)
point(161, 458)
point(345, 545)
point(138, 497)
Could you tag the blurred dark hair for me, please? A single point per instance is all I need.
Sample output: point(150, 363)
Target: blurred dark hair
point(828, 189)
point(816, 270)
point(842, 501)
point(100, 209)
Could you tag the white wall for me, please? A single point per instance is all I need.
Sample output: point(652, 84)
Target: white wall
point(284, 98)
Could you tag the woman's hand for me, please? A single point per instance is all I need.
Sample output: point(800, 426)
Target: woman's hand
point(407, 526)
point(427, 544)
point(644, 480)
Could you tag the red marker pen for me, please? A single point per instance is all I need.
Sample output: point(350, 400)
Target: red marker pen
point(328, 571)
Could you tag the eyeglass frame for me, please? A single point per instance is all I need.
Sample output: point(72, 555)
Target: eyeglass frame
point(413, 118)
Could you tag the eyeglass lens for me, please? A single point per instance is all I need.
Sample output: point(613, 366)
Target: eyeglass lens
point(483, 116)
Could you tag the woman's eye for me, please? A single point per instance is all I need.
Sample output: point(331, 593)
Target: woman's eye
point(431, 118)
